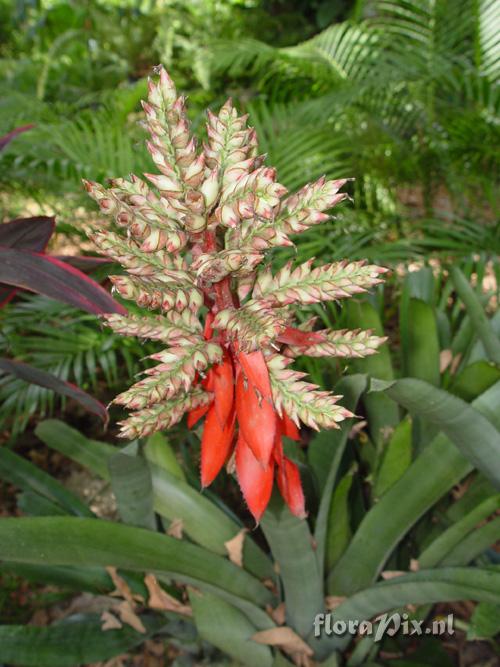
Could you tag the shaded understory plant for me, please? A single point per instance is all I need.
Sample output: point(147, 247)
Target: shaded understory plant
point(192, 247)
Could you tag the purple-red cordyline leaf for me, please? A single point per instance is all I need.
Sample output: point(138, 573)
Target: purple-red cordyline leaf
point(43, 379)
point(27, 234)
point(53, 278)
point(256, 418)
point(215, 445)
point(6, 138)
point(256, 482)
point(83, 263)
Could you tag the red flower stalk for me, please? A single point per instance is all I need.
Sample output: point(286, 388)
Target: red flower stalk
point(191, 246)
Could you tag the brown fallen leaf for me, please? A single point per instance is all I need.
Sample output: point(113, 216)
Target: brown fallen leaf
point(122, 588)
point(156, 648)
point(445, 359)
point(40, 617)
point(161, 600)
point(176, 529)
point(118, 661)
point(392, 574)
point(87, 603)
point(334, 601)
point(414, 565)
point(129, 617)
point(284, 637)
point(234, 547)
point(357, 429)
point(109, 621)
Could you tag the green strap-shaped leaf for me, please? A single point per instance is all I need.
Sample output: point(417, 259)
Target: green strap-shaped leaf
point(475, 379)
point(473, 434)
point(438, 468)
point(132, 486)
point(92, 542)
point(450, 538)
point(477, 491)
point(26, 476)
point(92, 579)
point(203, 522)
point(476, 313)
point(484, 622)
point(159, 451)
point(91, 454)
point(395, 460)
point(329, 452)
point(339, 529)
point(424, 587)
point(474, 544)
point(228, 629)
point(32, 504)
point(421, 346)
point(81, 578)
point(69, 643)
point(291, 544)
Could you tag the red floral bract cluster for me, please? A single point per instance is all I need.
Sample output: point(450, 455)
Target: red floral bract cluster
point(191, 245)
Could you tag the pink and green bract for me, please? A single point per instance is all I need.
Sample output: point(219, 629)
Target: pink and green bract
point(194, 243)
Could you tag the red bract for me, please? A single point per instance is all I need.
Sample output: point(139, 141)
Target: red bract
point(288, 428)
point(255, 368)
point(256, 419)
point(215, 445)
point(256, 482)
point(195, 415)
point(237, 394)
point(223, 388)
point(290, 487)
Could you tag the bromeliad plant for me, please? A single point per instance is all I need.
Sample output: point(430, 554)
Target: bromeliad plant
point(194, 248)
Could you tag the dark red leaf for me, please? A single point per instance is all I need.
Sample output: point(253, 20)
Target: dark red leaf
point(257, 420)
point(6, 138)
point(256, 482)
point(53, 278)
point(43, 379)
point(215, 445)
point(290, 487)
point(83, 263)
point(28, 234)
